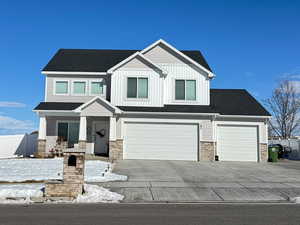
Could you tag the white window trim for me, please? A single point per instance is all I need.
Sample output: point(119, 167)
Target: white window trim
point(68, 122)
point(99, 81)
point(61, 80)
point(184, 100)
point(137, 99)
point(81, 81)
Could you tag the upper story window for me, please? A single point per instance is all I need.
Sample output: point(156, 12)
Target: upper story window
point(185, 89)
point(137, 87)
point(79, 87)
point(96, 88)
point(61, 87)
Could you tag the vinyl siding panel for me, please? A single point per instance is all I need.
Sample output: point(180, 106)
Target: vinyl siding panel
point(50, 95)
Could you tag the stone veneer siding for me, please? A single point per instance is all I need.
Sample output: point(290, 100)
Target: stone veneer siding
point(82, 144)
point(263, 148)
point(116, 150)
point(73, 178)
point(41, 149)
point(207, 151)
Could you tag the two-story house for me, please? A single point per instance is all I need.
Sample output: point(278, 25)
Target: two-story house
point(154, 103)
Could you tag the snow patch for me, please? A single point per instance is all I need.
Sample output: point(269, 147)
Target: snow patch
point(19, 193)
point(295, 200)
point(94, 193)
point(20, 170)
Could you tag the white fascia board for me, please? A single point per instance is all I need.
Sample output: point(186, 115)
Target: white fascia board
point(160, 41)
point(137, 54)
point(78, 110)
point(73, 73)
point(55, 113)
point(171, 113)
point(244, 116)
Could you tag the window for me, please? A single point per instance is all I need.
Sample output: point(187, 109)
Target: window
point(185, 90)
point(137, 87)
point(68, 131)
point(79, 87)
point(96, 88)
point(61, 87)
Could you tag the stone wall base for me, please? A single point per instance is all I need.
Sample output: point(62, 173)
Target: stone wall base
point(207, 151)
point(263, 149)
point(115, 150)
point(41, 149)
point(82, 144)
point(63, 190)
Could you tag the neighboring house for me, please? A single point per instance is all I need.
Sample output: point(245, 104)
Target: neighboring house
point(154, 103)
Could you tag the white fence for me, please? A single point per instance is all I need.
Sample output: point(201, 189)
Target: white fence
point(294, 144)
point(17, 145)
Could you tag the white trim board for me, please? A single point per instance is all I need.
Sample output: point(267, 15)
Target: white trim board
point(73, 73)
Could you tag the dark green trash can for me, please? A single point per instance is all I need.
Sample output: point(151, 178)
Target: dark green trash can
point(273, 153)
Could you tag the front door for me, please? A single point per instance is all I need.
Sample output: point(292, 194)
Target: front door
point(101, 135)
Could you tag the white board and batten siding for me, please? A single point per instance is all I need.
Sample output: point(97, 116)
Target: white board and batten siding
point(179, 68)
point(119, 88)
point(161, 141)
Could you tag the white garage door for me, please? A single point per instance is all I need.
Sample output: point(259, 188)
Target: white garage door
point(237, 143)
point(161, 141)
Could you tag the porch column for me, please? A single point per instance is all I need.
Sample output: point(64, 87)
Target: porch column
point(41, 142)
point(42, 128)
point(82, 132)
point(112, 128)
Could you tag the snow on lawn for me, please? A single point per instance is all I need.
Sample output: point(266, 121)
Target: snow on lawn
point(19, 193)
point(18, 170)
point(94, 193)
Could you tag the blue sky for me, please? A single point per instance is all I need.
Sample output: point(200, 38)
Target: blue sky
point(248, 44)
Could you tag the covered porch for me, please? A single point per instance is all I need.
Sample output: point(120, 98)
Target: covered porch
point(91, 126)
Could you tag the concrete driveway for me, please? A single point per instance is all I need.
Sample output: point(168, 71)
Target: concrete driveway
point(182, 181)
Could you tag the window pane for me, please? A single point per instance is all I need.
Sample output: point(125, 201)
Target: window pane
point(179, 89)
point(73, 134)
point(97, 88)
point(79, 88)
point(131, 87)
point(61, 87)
point(190, 90)
point(62, 131)
point(143, 87)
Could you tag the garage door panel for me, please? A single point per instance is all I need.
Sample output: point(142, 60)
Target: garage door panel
point(161, 141)
point(237, 143)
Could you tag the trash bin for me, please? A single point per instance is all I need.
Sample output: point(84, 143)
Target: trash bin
point(273, 153)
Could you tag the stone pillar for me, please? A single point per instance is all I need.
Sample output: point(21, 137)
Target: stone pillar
point(73, 176)
point(263, 149)
point(116, 150)
point(207, 151)
point(41, 142)
point(41, 149)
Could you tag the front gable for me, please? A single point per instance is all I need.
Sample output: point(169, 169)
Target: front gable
point(97, 107)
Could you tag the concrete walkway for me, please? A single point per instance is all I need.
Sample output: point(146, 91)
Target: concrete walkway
point(177, 181)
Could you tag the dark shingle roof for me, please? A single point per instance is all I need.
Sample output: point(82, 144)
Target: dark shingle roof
point(92, 60)
point(58, 106)
point(223, 101)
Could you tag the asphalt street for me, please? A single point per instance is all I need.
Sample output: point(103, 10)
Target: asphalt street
point(144, 214)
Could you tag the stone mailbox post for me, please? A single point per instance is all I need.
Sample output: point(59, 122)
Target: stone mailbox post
point(73, 176)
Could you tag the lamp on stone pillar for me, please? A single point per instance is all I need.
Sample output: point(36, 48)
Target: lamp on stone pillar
point(41, 142)
point(82, 132)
